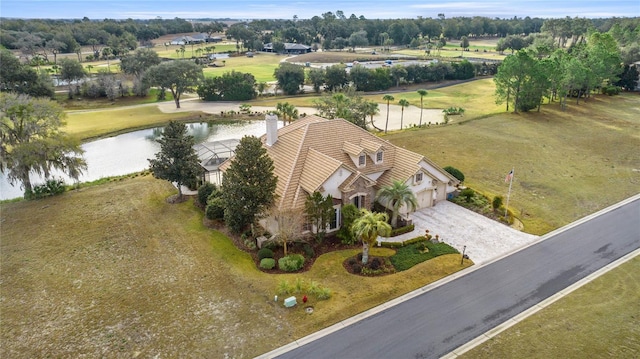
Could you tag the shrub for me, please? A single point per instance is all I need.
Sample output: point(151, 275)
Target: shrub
point(401, 230)
point(284, 288)
point(249, 242)
point(270, 244)
point(308, 250)
point(349, 214)
point(264, 253)
point(356, 268)
point(267, 263)
point(455, 173)
point(215, 208)
point(497, 202)
point(51, 187)
point(391, 244)
point(413, 240)
point(324, 294)
point(204, 192)
point(299, 285)
point(314, 288)
point(291, 263)
point(375, 264)
point(611, 90)
point(467, 193)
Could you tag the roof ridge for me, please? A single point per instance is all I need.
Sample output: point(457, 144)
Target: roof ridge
point(295, 164)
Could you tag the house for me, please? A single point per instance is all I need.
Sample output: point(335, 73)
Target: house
point(289, 48)
point(338, 158)
point(195, 39)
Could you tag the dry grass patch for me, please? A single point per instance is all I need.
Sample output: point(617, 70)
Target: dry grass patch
point(115, 270)
point(599, 320)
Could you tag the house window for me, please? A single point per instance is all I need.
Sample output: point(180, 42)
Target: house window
point(362, 160)
point(418, 178)
point(379, 157)
point(358, 201)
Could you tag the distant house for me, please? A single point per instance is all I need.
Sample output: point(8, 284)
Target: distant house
point(195, 39)
point(338, 158)
point(289, 48)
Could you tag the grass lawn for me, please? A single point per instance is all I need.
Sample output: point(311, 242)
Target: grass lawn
point(567, 164)
point(476, 97)
point(599, 320)
point(115, 269)
point(261, 66)
point(93, 124)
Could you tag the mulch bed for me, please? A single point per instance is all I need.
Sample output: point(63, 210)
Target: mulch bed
point(329, 244)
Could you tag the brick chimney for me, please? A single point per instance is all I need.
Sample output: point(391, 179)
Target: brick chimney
point(272, 128)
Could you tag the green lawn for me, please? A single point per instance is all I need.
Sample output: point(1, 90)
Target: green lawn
point(598, 320)
point(261, 66)
point(86, 125)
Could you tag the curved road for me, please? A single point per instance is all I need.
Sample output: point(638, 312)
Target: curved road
point(433, 324)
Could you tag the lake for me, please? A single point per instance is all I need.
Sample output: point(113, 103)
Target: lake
point(128, 153)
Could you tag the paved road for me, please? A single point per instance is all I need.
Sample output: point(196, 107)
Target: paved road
point(435, 323)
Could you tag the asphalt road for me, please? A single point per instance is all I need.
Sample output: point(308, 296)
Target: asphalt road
point(436, 322)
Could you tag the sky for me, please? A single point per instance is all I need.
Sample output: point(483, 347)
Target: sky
point(287, 9)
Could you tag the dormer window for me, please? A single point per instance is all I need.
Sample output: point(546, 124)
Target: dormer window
point(379, 157)
point(418, 177)
point(362, 160)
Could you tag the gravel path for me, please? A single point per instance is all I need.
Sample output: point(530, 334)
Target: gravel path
point(485, 239)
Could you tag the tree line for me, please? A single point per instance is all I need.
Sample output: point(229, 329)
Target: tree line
point(44, 38)
point(531, 75)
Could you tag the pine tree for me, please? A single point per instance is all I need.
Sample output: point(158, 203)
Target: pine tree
point(248, 185)
point(177, 161)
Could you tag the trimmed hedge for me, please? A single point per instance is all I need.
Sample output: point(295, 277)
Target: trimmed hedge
point(391, 244)
point(402, 230)
point(267, 263)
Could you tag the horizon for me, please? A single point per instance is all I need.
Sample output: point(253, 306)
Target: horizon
point(302, 9)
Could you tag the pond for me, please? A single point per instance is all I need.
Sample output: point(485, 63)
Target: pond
point(128, 153)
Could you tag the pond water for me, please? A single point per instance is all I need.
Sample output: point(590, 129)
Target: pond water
point(129, 152)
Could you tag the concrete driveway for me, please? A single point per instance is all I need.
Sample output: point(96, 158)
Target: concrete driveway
point(484, 238)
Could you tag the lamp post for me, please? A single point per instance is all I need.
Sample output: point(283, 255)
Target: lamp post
point(462, 259)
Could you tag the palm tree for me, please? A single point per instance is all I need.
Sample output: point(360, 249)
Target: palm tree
point(387, 98)
point(368, 227)
point(288, 111)
point(372, 109)
point(422, 94)
point(261, 86)
point(403, 103)
point(395, 196)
